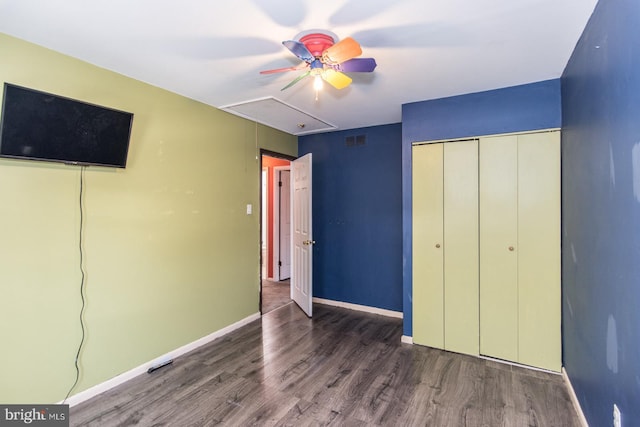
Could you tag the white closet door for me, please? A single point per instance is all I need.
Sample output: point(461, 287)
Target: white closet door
point(520, 249)
point(461, 303)
point(539, 304)
point(499, 247)
point(427, 261)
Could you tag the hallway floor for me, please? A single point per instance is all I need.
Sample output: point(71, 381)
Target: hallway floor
point(275, 294)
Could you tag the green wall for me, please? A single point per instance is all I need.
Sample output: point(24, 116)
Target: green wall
point(169, 252)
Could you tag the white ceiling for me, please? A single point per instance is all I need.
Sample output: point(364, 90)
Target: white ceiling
point(212, 50)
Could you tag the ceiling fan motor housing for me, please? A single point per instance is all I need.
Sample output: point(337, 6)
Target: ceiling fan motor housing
point(317, 43)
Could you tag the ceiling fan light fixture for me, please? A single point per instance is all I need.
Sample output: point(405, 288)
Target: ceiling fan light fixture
point(317, 82)
point(325, 59)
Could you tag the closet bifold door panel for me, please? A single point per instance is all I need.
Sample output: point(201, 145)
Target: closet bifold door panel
point(539, 303)
point(520, 249)
point(461, 247)
point(428, 264)
point(498, 243)
point(445, 245)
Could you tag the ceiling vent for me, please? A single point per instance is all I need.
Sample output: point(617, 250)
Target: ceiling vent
point(279, 115)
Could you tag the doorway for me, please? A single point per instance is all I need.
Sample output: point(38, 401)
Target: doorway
point(275, 231)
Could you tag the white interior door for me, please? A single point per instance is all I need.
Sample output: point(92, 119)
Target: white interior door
point(302, 236)
point(284, 222)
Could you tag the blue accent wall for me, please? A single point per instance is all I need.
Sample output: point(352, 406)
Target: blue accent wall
point(357, 216)
point(527, 107)
point(601, 214)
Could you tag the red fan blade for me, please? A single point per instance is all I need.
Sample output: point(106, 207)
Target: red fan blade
point(281, 70)
point(278, 70)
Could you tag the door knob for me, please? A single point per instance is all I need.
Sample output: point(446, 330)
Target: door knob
point(309, 242)
point(511, 248)
point(437, 245)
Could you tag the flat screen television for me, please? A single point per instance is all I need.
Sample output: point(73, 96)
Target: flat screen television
point(41, 126)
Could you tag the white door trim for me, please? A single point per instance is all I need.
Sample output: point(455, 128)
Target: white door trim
point(275, 225)
point(264, 222)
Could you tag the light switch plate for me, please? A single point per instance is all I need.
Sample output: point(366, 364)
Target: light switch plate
point(249, 209)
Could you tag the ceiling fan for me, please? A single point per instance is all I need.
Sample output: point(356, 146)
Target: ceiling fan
point(324, 59)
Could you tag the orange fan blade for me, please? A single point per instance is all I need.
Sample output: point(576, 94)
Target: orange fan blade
point(344, 50)
point(336, 78)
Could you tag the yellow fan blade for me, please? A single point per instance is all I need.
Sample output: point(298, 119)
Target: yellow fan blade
point(344, 50)
point(336, 78)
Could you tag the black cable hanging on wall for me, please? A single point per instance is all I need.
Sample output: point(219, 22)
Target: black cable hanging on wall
point(82, 283)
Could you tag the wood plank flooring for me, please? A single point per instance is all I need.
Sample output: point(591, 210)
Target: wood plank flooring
point(342, 368)
point(275, 294)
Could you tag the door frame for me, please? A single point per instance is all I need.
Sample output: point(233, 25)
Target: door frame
point(276, 218)
point(274, 154)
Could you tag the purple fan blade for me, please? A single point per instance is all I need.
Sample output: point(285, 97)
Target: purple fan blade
point(358, 65)
point(299, 50)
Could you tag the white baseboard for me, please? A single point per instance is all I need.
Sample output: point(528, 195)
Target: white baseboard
point(406, 339)
point(126, 376)
point(574, 399)
point(518, 365)
point(358, 307)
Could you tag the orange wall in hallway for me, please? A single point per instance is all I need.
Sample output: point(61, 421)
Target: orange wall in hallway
point(269, 163)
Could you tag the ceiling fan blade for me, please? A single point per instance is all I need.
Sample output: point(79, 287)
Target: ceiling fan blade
point(336, 78)
point(357, 65)
point(281, 70)
point(299, 50)
point(300, 77)
point(344, 50)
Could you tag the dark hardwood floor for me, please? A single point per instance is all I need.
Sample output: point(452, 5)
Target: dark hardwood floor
point(275, 294)
point(342, 368)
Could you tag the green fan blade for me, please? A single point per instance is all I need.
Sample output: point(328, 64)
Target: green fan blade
point(300, 77)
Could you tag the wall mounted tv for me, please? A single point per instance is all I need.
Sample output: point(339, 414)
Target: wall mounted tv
point(41, 126)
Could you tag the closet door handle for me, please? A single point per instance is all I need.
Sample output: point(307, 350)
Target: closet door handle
point(511, 248)
point(438, 245)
